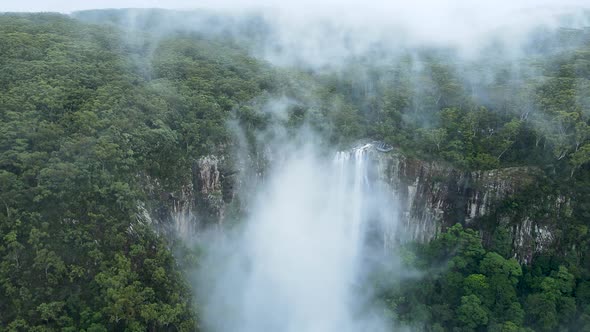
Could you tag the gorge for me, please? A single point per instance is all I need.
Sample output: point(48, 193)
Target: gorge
point(430, 196)
point(348, 168)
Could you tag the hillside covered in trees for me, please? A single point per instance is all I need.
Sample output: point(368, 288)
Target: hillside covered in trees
point(92, 109)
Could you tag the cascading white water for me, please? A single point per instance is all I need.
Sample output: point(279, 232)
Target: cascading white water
point(350, 193)
point(295, 265)
point(183, 220)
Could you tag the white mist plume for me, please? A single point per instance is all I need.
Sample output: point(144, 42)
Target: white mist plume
point(297, 263)
point(324, 33)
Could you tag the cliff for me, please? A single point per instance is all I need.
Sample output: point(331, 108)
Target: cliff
point(432, 196)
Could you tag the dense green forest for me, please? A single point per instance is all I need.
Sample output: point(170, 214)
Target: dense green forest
point(89, 110)
point(81, 123)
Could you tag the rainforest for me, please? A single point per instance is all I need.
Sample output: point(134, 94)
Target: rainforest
point(248, 170)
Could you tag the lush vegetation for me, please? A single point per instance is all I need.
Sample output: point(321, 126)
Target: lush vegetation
point(81, 123)
point(90, 113)
point(466, 287)
point(536, 115)
point(446, 111)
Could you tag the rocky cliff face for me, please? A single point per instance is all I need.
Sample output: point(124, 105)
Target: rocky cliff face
point(202, 200)
point(431, 196)
point(434, 196)
point(207, 179)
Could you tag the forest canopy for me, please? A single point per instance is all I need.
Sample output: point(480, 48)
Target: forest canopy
point(91, 110)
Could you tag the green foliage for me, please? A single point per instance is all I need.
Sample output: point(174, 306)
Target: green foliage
point(488, 293)
point(89, 112)
point(470, 313)
point(79, 125)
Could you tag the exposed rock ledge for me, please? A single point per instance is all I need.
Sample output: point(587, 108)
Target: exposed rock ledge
point(432, 196)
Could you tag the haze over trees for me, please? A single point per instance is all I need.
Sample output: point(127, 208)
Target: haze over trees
point(91, 110)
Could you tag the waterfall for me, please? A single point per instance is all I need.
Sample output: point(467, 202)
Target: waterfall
point(350, 193)
point(371, 209)
point(298, 261)
point(183, 220)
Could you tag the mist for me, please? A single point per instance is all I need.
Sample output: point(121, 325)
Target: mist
point(330, 33)
point(321, 34)
point(318, 221)
point(298, 261)
point(332, 166)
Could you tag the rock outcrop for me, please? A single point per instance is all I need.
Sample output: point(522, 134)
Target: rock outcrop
point(434, 196)
point(207, 179)
point(201, 200)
